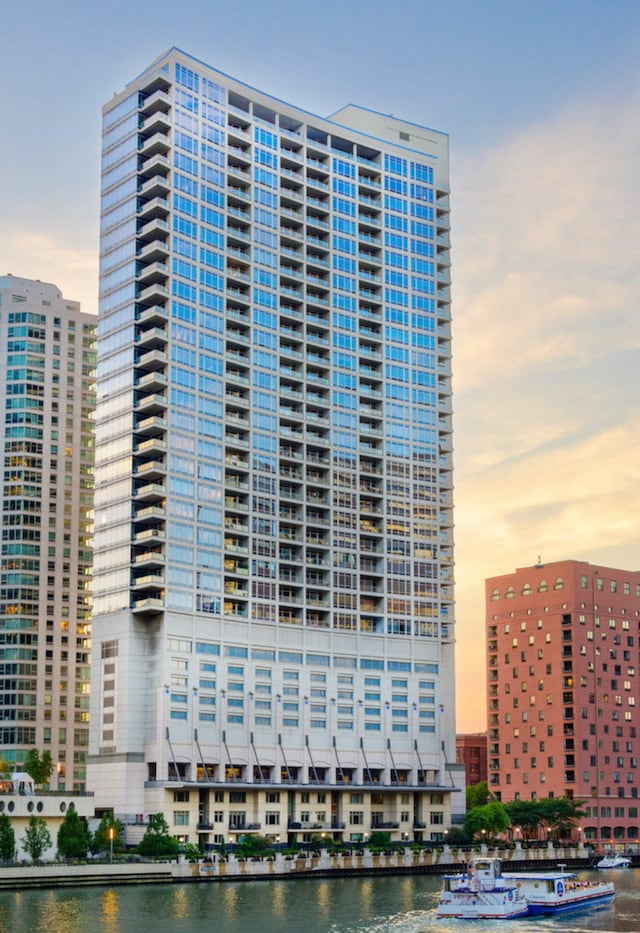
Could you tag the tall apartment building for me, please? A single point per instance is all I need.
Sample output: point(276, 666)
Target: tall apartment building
point(273, 627)
point(47, 400)
point(563, 648)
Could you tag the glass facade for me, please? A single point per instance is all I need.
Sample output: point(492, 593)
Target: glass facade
point(47, 400)
point(274, 437)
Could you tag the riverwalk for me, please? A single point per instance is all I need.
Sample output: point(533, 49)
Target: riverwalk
point(279, 866)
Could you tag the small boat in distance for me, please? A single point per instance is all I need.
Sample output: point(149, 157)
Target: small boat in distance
point(614, 861)
point(481, 893)
point(558, 892)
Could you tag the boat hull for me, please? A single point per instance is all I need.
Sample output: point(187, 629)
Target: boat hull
point(614, 863)
point(538, 908)
point(476, 909)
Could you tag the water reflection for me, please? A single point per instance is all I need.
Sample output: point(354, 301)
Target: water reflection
point(229, 900)
point(393, 904)
point(59, 914)
point(180, 903)
point(110, 909)
point(323, 898)
point(278, 901)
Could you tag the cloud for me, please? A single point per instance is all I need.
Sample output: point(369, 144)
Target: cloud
point(546, 358)
point(545, 247)
point(43, 256)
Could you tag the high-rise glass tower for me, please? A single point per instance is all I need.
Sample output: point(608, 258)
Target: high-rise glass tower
point(273, 627)
point(47, 400)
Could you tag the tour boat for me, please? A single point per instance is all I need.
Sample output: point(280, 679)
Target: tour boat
point(481, 893)
point(556, 892)
point(614, 861)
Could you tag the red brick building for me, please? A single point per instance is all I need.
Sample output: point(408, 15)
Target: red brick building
point(471, 751)
point(563, 651)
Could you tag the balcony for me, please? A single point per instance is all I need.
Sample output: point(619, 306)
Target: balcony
point(155, 186)
point(156, 250)
point(152, 381)
point(149, 605)
point(151, 404)
point(154, 229)
point(149, 515)
point(158, 100)
point(152, 338)
point(156, 164)
point(153, 359)
point(150, 491)
point(150, 535)
point(149, 559)
point(152, 469)
point(153, 315)
point(151, 426)
point(150, 581)
point(157, 142)
point(154, 294)
point(151, 447)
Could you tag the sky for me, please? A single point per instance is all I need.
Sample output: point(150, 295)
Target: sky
point(541, 99)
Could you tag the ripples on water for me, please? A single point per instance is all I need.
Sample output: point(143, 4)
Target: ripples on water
point(344, 905)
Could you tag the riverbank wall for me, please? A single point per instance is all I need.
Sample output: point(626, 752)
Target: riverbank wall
point(282, 867)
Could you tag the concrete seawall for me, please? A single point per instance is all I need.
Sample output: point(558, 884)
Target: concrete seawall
point(406, 861)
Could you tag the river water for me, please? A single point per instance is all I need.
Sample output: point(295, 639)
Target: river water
point(343, 905)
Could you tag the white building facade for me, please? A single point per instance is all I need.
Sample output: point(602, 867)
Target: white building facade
point(47, 402)
point(273, 632)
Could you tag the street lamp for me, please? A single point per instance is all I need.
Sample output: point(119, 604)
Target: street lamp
point(110, 834)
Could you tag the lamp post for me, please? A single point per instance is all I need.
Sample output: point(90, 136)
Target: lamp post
point(110, 834)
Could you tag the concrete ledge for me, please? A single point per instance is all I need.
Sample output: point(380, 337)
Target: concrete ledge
point(53, 876)
point(309, 865)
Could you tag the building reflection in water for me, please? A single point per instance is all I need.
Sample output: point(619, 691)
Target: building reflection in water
point(229, 900)
point(277, 900)
point(180, 903)
point(110, 907)
point(323, 898)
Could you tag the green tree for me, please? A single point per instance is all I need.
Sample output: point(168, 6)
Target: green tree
point(526, 815)
point(74, 838)
point(102, 841)
point(493, 818)
point(191, 853)
point(559, 815)
point(157, 842)
point(7, 839)
point(477, 795)
point(253, 846)
point(457, 836)
point(551, 815)
point(39, 766)
point(36, 838)
point(379, 839)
